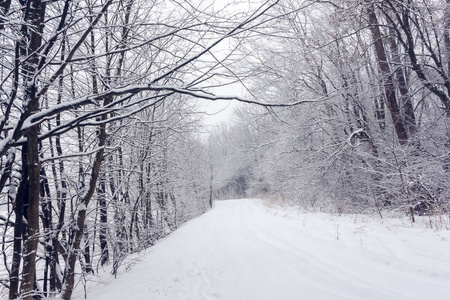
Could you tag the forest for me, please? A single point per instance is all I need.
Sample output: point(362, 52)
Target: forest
point(103, 147)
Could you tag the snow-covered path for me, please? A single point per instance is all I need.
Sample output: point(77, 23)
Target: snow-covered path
point(242, 250)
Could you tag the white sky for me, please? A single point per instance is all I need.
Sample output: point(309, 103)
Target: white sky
point(217, 112)
point(220, 111)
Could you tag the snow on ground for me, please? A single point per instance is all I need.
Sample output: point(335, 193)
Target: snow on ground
point(244, 250)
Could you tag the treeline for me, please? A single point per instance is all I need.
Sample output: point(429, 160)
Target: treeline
point(372, 132)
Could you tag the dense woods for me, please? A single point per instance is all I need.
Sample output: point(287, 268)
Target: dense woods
point(101, 143)
point(375, 134)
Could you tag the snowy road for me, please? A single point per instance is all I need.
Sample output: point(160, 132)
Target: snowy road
point(242, 250)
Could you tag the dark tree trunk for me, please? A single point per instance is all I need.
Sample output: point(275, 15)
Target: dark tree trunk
point(31, 243)
point(405, 100)
point(47, 221)
point(74, 247)
point(101, 196)
point(18, 228)
point(87, 252)
point(389, 89)
point(77, 234)
point(31, 210)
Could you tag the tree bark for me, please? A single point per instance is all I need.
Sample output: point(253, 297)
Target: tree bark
point(18, 228)
point(47, 221)
point(69, 272)
point(405, 101)
point(33, 30)
point(31, 243)
point(101, 196)
point(389, 89)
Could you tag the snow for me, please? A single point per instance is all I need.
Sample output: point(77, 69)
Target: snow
point(243, 249)
point(5, 143)
point(82, 206)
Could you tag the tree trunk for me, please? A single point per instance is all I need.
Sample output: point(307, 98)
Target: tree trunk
point(72, 253)
point(87, 252)
point(405, 101)
point(389, 89)
point(101, 196)
point(77, 234)
point(47, 221)
point(18, 228)
point(32, 216)
point(31, 210)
